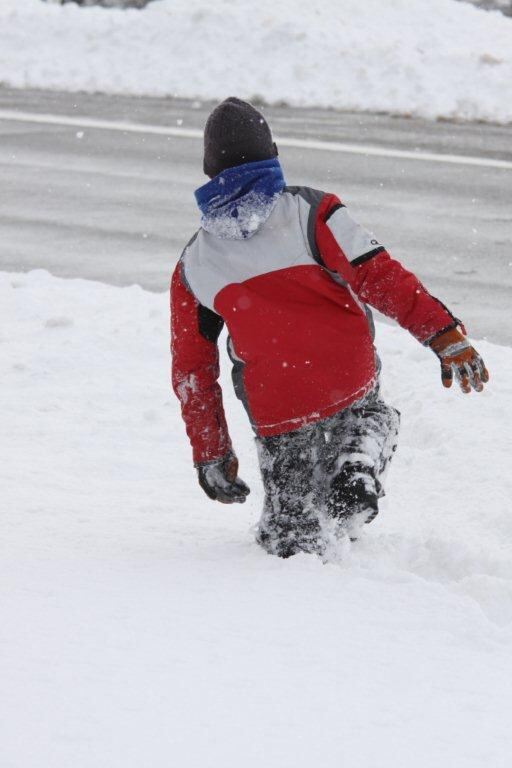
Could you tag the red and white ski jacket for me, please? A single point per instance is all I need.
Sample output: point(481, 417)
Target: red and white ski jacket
point(293, 296)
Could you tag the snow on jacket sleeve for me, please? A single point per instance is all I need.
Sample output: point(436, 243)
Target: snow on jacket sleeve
point(195, 371)
point(358, 258)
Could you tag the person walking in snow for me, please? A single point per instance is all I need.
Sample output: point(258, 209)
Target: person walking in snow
point(291, 274)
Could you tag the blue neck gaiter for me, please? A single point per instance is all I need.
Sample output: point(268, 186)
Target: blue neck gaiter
point(237, 202)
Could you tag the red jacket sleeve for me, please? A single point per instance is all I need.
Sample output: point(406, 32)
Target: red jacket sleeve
point(367, 268)
point(195, 370)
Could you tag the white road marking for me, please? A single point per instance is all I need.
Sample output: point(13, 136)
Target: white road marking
point(284, 141)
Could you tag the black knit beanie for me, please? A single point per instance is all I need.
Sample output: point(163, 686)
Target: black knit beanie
point(235, 133)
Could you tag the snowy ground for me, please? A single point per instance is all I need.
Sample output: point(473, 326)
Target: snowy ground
point(434, 58)
point(141, 626)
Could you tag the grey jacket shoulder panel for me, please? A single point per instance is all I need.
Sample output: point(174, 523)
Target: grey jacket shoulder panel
point(211, 263)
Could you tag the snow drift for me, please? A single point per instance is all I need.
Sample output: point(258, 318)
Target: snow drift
point(434, 58)
point(141, 625)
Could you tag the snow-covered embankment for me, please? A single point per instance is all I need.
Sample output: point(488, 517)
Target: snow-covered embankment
point(433, 58)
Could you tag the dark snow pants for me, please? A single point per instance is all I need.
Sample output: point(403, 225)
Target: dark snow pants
point(325, 478)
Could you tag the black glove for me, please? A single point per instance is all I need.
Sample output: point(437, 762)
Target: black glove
point(219, 480)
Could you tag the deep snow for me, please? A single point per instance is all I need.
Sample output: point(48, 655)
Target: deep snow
point(141, 626)
point(434, 58)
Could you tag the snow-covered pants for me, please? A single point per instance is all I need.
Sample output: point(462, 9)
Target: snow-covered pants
point(326, 477)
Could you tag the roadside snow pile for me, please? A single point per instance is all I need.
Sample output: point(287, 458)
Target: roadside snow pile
point(142, 626)
point(434, 58)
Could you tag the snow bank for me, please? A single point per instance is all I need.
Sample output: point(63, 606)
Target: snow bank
point(142, 626)
point(435, 58)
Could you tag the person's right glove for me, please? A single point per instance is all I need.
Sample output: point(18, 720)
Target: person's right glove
point(220, 482)
point(458, 356)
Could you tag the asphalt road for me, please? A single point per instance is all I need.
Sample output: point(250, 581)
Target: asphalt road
point(118, 206)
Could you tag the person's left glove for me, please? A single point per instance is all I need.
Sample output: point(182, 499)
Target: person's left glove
point(219, 480)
